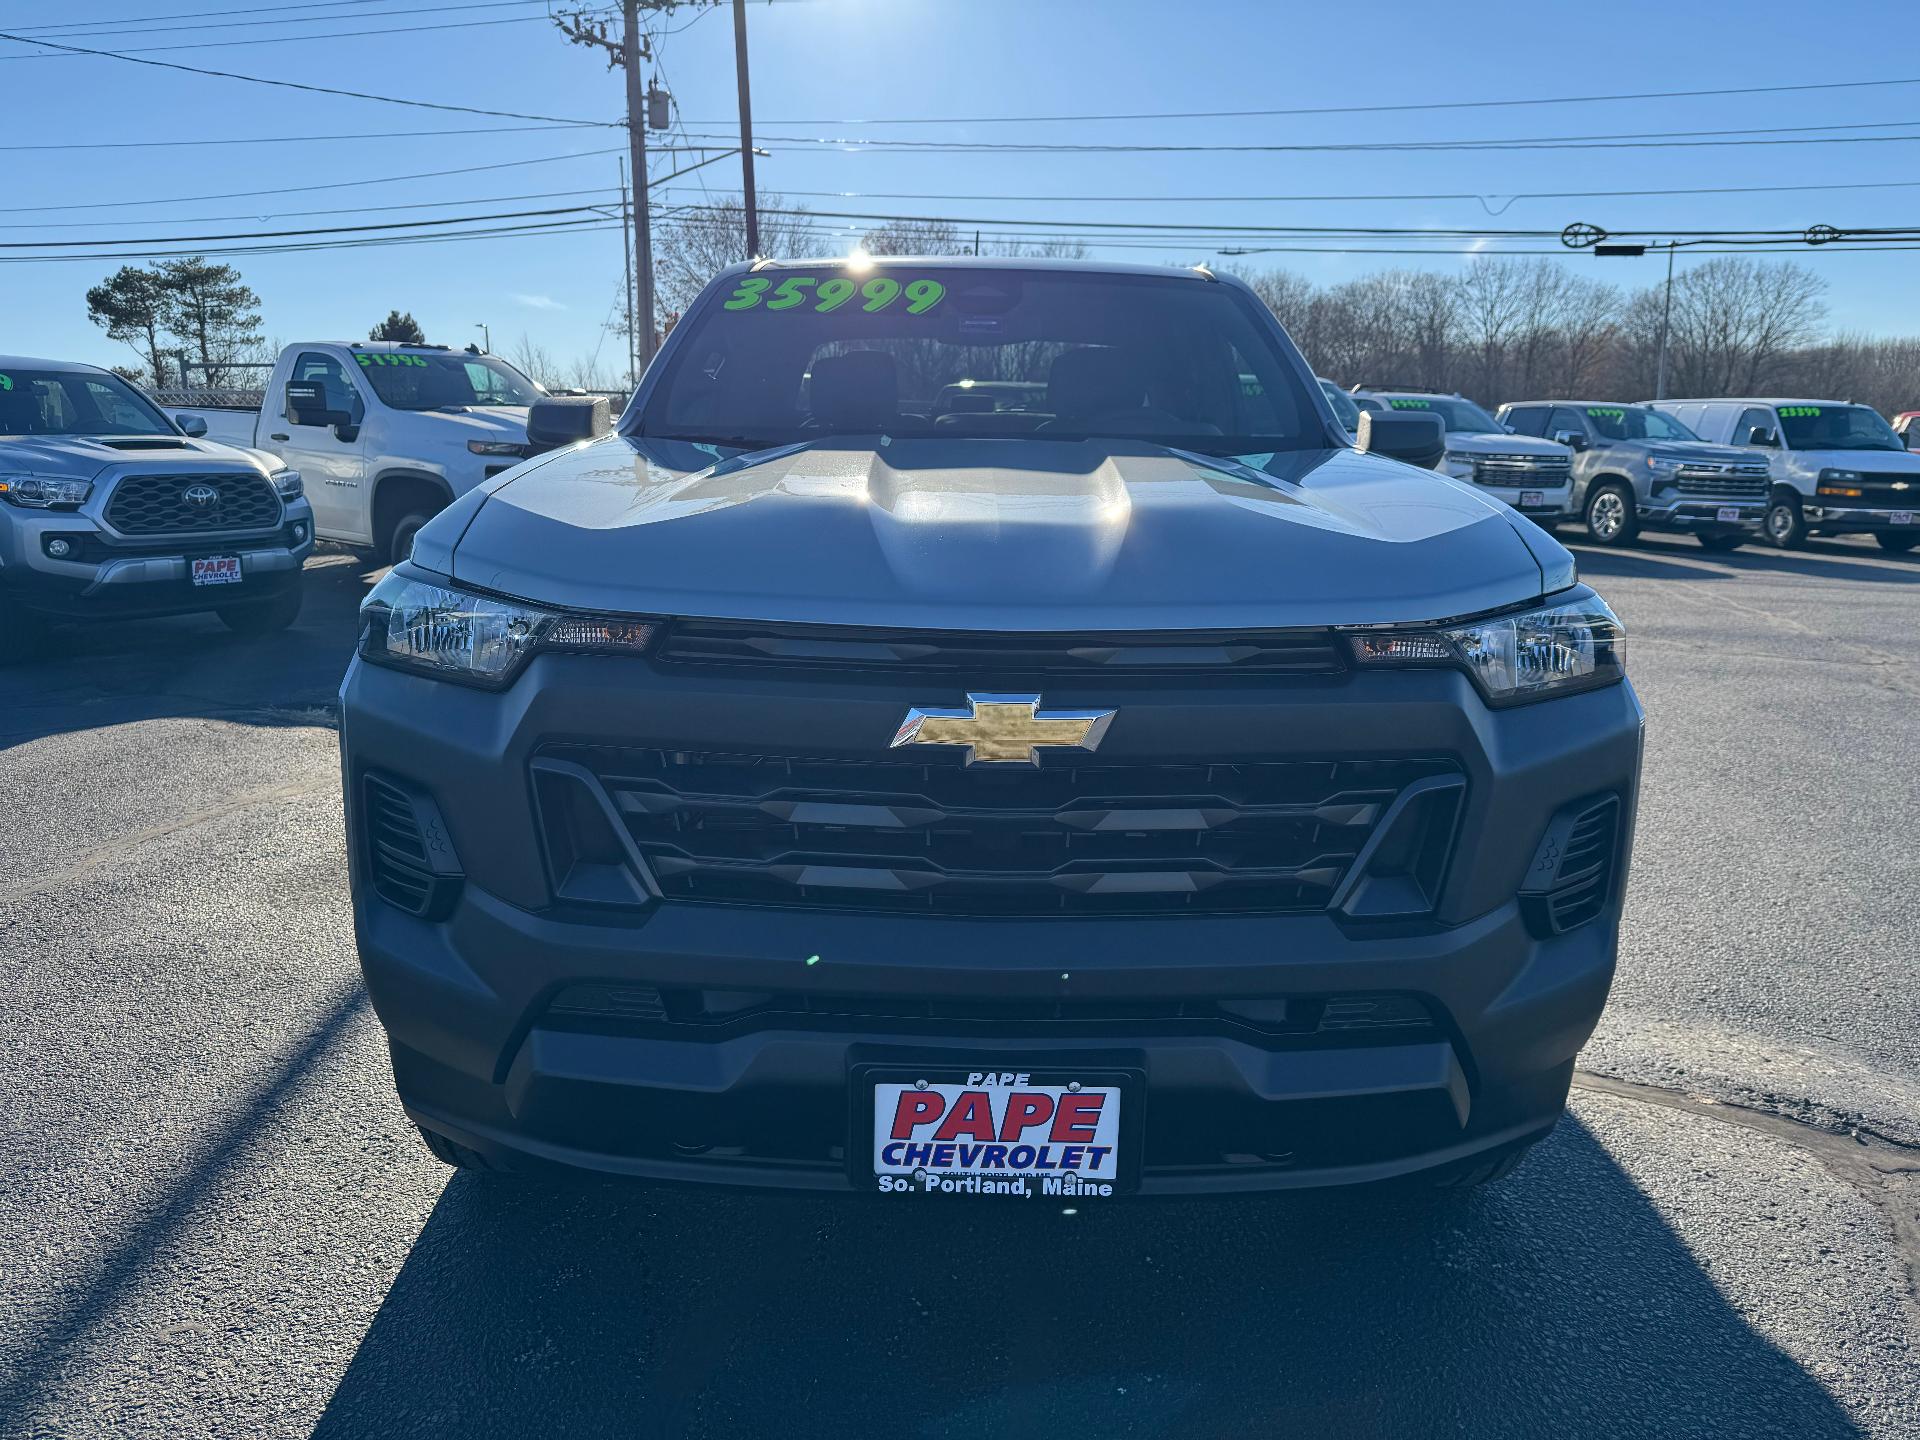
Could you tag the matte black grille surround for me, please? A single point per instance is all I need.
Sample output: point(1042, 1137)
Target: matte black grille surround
point(409, 856)
point(932, 836)
point(974, 652)
point(156, 504)
point(1571, 879)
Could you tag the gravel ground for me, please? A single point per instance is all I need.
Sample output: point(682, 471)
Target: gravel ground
point(214, 1219)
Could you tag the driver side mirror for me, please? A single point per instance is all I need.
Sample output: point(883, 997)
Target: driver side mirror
point(1761, 435)
point(1416, 439)
point(307, 404)
point(1572, 439)
point(192, 426)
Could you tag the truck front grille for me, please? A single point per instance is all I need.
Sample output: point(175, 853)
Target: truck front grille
point(1724, 482)
point(918, 836)
point(160, 504)
point(1894, 489)
point(1541, 470)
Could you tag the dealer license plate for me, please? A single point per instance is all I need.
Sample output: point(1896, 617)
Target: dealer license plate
point(996, 1133)
point(217, 570)
point(1728, 512)
point(1901, 517)
point(1533, 500)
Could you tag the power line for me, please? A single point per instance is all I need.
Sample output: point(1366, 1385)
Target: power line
point(303, 247)
point(604, 194)
point(1348, 109)
point(149, 24)
point(291, 139)
point(301, 85)
point(325, 185)
point(198, 14)
point(314, 230)
point(133, 51)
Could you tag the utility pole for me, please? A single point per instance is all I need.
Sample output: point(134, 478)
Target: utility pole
point(586, 27)
point(1666, 326)
point(626, 255)
point(748, 198)
point(637, 154)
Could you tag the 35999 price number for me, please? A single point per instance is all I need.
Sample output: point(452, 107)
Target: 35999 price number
point(812, 293)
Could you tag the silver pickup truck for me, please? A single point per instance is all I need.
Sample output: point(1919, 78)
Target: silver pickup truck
point(1636, 469)
point(108, 510)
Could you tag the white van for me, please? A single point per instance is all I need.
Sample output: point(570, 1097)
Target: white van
point(1837, 468)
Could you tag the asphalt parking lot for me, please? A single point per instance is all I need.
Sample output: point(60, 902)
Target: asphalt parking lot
point(214, 1219)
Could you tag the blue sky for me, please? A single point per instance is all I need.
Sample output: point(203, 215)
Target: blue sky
point(826, 64)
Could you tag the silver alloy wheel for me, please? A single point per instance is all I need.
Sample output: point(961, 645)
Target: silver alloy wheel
point(1780, 522)
point(1607, 515)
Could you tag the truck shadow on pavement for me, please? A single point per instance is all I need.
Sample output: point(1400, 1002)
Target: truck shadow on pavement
point(1680, 559)
point(96, 675)
point(1559, 1303)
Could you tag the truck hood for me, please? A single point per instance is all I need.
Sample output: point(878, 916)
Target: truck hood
point(76, 457)
point(990, 534)
point(1696, 451)
point(486, 422)
point(1496, 443)
point(1880, 462)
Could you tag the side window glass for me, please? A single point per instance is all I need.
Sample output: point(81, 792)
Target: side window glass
point(1751, 419)
point(1528, 419)
point(116, 410)
point(1566, 419)
point(330, 373)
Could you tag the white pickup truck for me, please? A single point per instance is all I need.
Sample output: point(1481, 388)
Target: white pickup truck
point(386, 435)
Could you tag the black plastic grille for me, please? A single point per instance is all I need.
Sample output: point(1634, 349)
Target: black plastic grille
point(1895, 489)
point(1586, 867)
point(939, 837)
point(1547, 470)
point(976, 653)
point(397, 859)
point(158, 504)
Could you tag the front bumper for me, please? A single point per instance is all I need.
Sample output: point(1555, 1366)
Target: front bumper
point(1694, 515)
point(482, 1054)
point(1859, 519)
point(109, 577)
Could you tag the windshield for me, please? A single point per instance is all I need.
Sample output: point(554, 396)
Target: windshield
point(800, 353)
point(1344, 410)
point(434, 380)
point(1836, 427)
point(75, 402)
point(1630, 422)
point(1459, 416)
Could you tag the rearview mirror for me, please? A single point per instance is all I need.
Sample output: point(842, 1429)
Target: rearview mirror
point(307, 404)
point(1572, 439)
point(1417, 439)
point(192, 426)
point(557, 420)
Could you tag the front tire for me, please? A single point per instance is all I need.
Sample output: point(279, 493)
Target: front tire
point(1721, 544)
point(1611, 518)
point(1481, 1170)
point(1786, 526)
point(1898, 541)
point(400, 542)
point(264, 617)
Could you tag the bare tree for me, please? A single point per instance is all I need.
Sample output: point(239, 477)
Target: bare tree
point(1492, 307)
point(916, 237)
point(694, 245)
point(1588, 326)
point(1735, 320)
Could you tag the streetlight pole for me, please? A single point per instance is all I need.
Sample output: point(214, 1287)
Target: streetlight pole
point(486, 337)
point(637, 157)
point(1580, 236)
point(1666, 328)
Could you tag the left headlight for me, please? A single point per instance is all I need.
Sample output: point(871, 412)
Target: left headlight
point(424, 625)
point(288, 484)
point(40, 492)
point(1574, 643)
point(496, 447)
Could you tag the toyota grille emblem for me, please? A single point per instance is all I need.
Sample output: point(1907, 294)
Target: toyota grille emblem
point(200, 496)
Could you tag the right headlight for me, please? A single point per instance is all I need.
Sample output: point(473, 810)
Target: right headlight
point(1573, 643)
point(412, 622)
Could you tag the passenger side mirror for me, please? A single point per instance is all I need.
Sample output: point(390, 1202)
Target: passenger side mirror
point(558, 420)
point(192, 426)
point(1912, 438)
point(1572, 439)
point(1417, 439)
point(1761, 435)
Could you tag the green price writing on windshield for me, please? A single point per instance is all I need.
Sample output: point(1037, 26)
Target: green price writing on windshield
point(1600, 413)
point(371, 360)
point(1408, 404)
point(6, 382)
point(1799, 412)
point(808, 292)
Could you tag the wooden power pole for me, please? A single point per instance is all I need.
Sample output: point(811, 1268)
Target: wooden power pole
point(747, 196)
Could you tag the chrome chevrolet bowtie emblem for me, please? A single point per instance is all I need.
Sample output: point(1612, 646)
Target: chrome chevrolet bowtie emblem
point(1004, 729)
